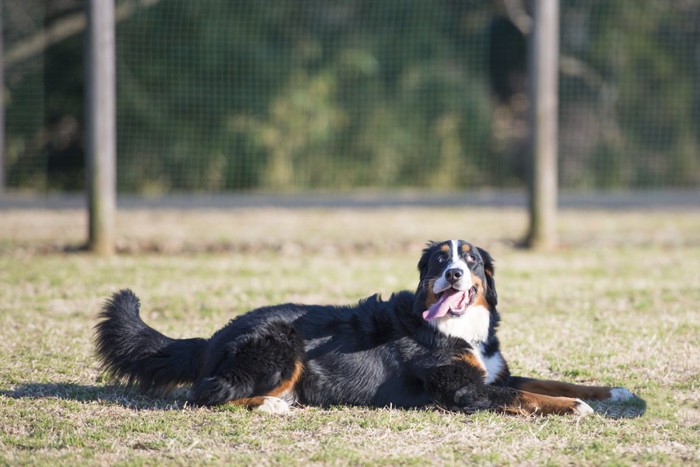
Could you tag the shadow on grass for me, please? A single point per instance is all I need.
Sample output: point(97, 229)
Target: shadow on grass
point(119, 395)
point(115, 394)
point(632, 408)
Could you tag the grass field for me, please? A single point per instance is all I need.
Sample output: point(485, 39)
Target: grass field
point(618, 304)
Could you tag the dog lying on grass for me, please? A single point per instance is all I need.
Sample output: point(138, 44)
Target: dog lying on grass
point(434, 346)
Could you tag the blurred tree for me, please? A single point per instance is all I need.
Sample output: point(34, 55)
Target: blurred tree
point(294, 94)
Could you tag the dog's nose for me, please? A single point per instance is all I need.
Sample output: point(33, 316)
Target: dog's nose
point(453, 275)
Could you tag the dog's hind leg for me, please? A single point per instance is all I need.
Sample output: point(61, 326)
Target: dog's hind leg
point(259, 369)
point(266, 404)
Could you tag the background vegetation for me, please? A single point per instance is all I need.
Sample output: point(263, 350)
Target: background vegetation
point(223, 95)
point(618, 305)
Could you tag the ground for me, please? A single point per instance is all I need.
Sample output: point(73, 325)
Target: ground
point(616, 304)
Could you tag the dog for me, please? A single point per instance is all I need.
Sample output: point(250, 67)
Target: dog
point(436, 346)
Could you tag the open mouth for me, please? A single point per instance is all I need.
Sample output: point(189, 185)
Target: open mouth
point(451, 302)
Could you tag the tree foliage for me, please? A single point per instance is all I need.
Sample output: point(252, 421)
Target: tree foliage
point(287, 95)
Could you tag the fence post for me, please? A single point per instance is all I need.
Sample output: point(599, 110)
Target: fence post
point(543, 69)
point(2, 103)
point(100, 125)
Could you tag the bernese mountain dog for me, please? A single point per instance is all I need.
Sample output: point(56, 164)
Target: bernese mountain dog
point(436, 346)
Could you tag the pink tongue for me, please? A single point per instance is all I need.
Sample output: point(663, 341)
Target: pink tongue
point(452, 300)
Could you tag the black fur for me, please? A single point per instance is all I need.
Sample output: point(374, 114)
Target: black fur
point(133, 350)
point(375, 353)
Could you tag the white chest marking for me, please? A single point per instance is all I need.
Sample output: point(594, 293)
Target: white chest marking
point(492, 365)
point(472, 326)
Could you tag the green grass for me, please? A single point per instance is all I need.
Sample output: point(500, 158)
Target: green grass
point(618, 304)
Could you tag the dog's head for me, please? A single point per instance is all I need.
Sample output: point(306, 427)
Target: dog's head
point(454, 276)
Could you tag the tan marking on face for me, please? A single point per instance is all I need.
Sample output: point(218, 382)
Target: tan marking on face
point(480, 290)
point(445, 248)
point(430, 298)
point(466, 247)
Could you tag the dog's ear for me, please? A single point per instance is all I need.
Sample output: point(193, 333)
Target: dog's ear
point(491, 295)
point(425, 258)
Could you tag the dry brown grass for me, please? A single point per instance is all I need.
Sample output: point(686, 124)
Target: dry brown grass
point(617, 304)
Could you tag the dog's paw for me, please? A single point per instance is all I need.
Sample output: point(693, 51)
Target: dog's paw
point(620, 394)
point(273, 405)
point(582, 409)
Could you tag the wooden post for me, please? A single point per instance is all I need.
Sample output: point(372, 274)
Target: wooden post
point(543, 69)
point(2, 104)
point(100, 125)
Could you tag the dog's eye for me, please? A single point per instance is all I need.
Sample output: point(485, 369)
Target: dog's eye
point(441, 259)
point(471, 259)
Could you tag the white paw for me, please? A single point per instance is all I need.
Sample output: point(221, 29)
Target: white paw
point(582, 409)
point(273, 405)
point(620, 394)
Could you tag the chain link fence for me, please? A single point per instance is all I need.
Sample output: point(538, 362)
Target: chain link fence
point(293, 95)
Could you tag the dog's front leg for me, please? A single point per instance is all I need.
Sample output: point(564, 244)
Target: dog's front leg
point(559, 388)
point(461, 388)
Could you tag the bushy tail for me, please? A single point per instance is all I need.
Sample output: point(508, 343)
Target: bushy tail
point(130, 349)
